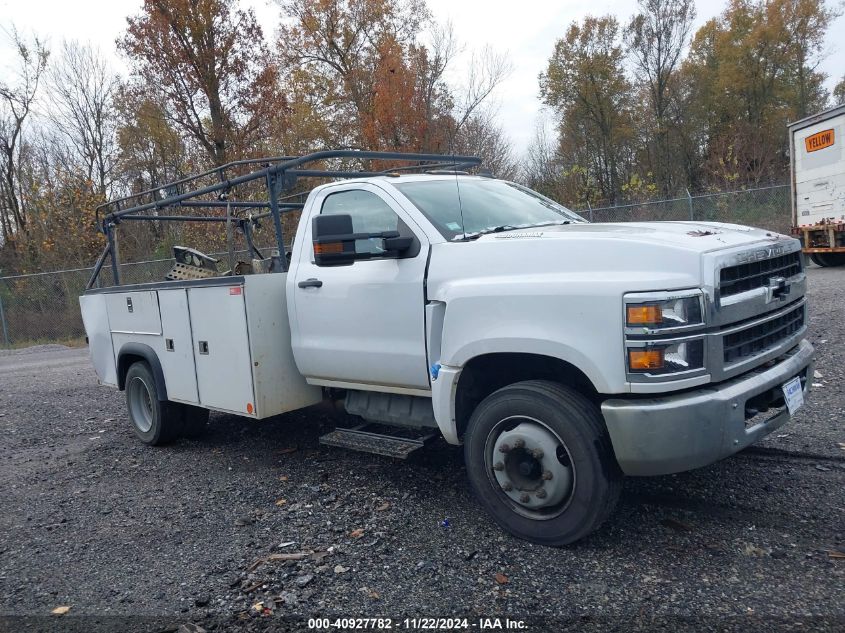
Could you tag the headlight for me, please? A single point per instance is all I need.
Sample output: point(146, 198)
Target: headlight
point(669, 313)
point(666, 358)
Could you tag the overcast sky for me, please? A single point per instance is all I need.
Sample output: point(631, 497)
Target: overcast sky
point(526, 30)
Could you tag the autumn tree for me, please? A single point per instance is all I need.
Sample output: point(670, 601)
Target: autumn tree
point(753, 71)
point(656, 38)
point(208, 65)
point(362, 65)
point(586, 85)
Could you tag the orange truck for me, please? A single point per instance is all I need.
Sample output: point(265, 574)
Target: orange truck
point(818, 185)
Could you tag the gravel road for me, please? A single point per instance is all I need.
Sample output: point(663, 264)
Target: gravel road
point(198, 533)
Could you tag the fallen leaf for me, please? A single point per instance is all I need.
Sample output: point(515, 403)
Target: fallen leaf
point(818, 374)
point(835, 554)
point(283, 478)
point(373, 595)
point(281, 502)
point(357, 533)
point(290, 449)
point(286, 544)
point(502, 579)
point(340, 569)
point(384, 506)
point(258, 606)
point(60, 610)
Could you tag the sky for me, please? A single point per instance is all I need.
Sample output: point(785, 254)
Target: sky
point(525, 30)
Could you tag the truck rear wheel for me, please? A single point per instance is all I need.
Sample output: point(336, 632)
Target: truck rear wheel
point(155, 421)
point(828, 259)
point(540, 462)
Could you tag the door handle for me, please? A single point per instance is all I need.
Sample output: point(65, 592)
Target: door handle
point(310, 283)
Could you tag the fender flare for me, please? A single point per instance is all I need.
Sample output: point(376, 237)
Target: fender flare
point(124, 358)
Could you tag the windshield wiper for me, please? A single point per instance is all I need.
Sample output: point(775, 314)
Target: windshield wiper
point(504, 227)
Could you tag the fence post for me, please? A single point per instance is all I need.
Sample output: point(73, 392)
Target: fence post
point(689, 200)
point(3, 322)
point(590, 207)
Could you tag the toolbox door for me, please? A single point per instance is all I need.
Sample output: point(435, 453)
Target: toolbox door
point(221, 348)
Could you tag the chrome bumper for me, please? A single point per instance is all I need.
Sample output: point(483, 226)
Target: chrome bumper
point(670, 434)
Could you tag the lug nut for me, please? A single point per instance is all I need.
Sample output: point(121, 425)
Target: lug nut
point(525, 498)
point(541, 494)
point(507, 486)
point(537, 453)
point(547, 475)
point(519, 443)
point(504, 448)
point(498, 466)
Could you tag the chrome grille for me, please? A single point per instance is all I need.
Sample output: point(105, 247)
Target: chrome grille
point(756, 274)
point(761, 337)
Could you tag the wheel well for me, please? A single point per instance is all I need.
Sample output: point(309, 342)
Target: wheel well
point(134, 352)
point(485, 374)
point(123, 364)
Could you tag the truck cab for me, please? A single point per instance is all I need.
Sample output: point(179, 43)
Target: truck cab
point(563, 355)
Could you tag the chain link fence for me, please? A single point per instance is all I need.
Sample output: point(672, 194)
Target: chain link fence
point(44, 307)
point(765, 207)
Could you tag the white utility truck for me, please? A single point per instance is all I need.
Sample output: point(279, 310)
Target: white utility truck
point(818, 185)
point(562, 354)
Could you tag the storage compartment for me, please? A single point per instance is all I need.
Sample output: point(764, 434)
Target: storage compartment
point(134, 312)
point(177, 351)
point(221, 348)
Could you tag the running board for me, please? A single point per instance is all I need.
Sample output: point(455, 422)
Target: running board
point(357, 439)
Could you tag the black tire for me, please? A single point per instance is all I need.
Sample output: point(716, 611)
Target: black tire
point(828, 259)
point(194, 421)
point(155, 422)
point(577, 424)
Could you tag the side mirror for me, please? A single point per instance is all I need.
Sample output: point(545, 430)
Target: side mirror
point(334, 241)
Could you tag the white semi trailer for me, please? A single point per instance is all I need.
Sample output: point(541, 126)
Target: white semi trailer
point(818, 185)
point(562, 354)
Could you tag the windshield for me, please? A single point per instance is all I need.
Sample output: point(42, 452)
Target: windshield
point(468, 208)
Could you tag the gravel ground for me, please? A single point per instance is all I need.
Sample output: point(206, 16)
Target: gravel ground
point(197, 533)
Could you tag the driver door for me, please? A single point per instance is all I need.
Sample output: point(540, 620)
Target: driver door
point(362, 322)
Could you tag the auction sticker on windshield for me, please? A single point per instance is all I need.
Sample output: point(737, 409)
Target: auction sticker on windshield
point(793, 395)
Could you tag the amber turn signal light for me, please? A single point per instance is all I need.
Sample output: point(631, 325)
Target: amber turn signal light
point(645, 359)
point(328, 248)
point(644, 315)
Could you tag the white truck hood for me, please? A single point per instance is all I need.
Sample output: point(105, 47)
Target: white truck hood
point(699, 237)
point(636, 255)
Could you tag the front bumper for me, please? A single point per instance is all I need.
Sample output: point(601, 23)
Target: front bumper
point(670, 434)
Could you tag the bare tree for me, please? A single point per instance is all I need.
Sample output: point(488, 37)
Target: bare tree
point(16, 101)
point(481, 136)
point(83, 88)
point(487, 69)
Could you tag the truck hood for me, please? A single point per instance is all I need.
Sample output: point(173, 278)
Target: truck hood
point(699, 237)
point(636, 256)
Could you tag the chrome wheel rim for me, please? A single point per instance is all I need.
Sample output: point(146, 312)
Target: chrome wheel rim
point(530, 467)
point(140, 404)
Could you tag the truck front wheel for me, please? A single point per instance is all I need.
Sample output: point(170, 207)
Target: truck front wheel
point(540, 462)
point(155, 421)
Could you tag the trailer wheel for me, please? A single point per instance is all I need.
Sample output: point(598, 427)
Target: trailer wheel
point(194, 421)
point(540, 462)
point(155, 422)
point(828, 259)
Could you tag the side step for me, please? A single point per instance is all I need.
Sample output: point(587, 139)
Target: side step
point(357, 439)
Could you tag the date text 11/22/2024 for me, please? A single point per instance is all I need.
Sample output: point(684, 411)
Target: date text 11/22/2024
point(417, 624)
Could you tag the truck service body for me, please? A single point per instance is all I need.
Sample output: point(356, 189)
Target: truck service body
point(562, 354)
